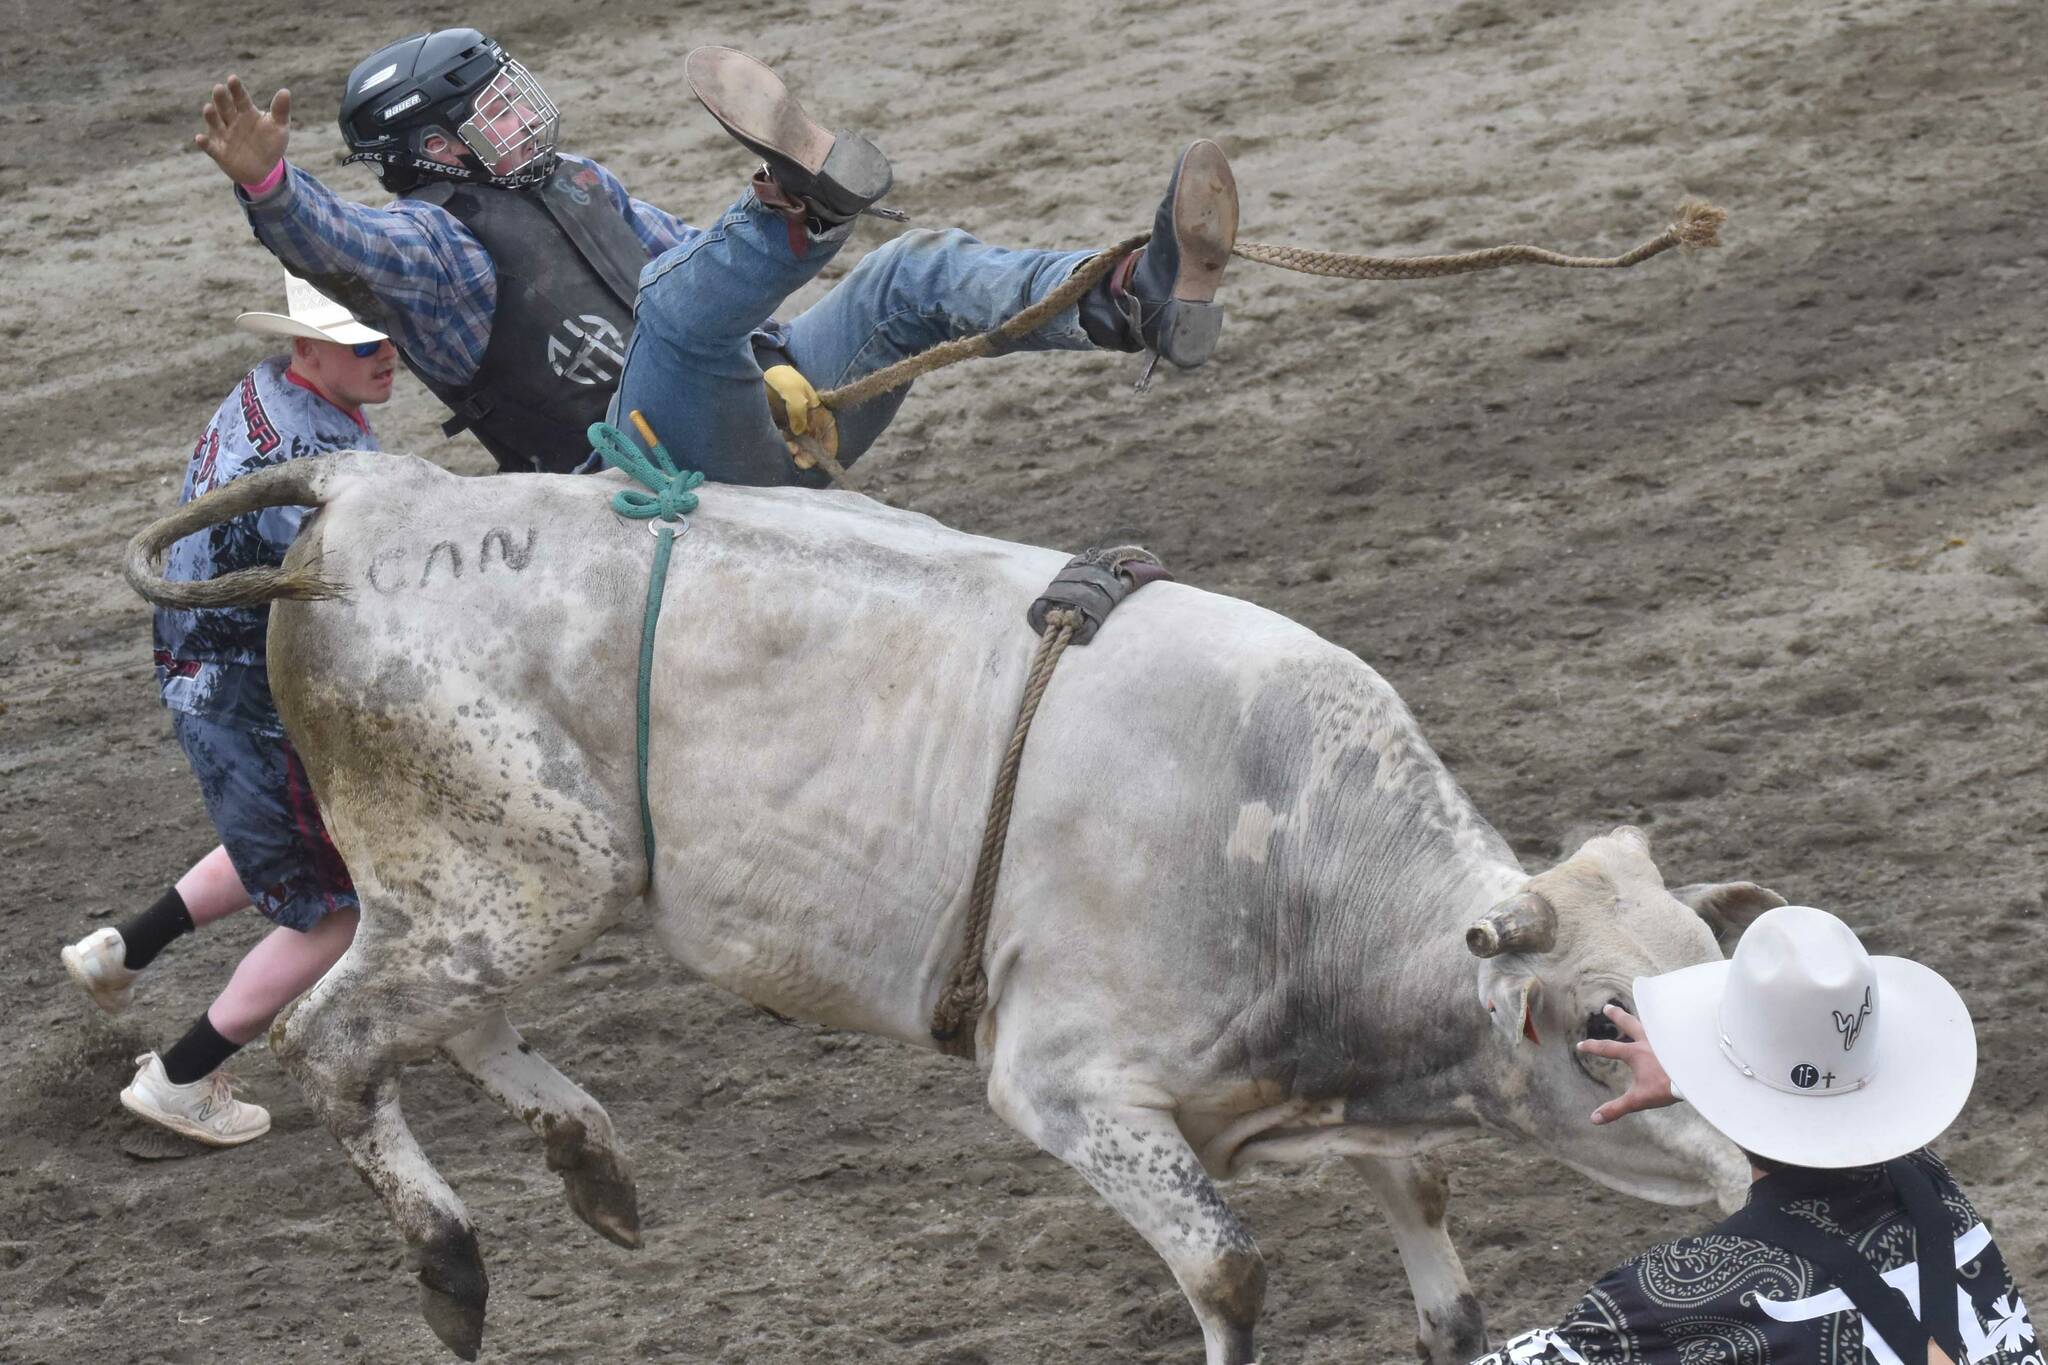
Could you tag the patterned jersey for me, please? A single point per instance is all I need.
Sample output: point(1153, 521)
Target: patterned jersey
point(210, 663)
point(1718, 1299)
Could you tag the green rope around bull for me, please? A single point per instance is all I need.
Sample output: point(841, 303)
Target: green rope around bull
point(665, 494)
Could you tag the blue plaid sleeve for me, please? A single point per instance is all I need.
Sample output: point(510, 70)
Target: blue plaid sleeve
point(432, 275)
point(657, 229)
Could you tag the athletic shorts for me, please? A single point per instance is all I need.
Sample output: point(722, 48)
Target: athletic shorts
point(256, 793)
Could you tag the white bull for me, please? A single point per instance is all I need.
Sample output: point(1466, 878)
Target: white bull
point(1232, 923)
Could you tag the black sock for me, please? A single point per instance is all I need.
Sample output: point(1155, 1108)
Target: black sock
point(199, 1053)
point(150, 932)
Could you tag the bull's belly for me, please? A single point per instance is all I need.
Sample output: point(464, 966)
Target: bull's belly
point(828, 891)
point(862, 967)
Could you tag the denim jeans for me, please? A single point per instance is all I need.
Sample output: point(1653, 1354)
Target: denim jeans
point(691, 367)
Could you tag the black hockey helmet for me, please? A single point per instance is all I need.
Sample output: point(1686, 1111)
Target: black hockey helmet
point(461, 87)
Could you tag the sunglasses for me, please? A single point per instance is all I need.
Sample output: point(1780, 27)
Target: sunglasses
point(365, 349)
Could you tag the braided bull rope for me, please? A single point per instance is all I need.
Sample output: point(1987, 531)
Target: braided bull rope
point(1697, 227)
point(965, 994)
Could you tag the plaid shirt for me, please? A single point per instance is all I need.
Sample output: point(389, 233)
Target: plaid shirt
point(425, 267)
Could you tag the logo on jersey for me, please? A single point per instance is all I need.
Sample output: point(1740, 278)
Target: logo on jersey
point(579, 185)
point(2010, 1328)
point(587, 350)
point(262, 434)
point(207, 453)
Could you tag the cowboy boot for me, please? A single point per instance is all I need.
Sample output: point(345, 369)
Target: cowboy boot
point(835, 175)
point(1161, 297)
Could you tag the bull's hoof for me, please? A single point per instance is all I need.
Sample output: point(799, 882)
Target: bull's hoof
point(459, 1325)
point(599, 1186)
point(453, 1289)
point(1454, 1335)
point(1238, 1348)
point(606, 1200)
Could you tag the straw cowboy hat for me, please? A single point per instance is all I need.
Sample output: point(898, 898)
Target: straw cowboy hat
point(1805, 1049)
point(309, 313)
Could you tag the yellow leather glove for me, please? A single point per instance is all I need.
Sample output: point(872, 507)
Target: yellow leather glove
point(803, 420)
point(793, 398)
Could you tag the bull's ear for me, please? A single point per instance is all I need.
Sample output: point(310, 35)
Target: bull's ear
point(1511, 1002)
point(1729, 907)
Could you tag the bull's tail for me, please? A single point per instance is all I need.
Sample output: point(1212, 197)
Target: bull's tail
point(295, 483)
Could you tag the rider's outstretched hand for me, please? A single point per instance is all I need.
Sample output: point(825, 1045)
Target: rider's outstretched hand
point(244, 141)
point(1649, 1087)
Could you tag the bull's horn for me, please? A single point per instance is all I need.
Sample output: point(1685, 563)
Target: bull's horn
point(1526, 923)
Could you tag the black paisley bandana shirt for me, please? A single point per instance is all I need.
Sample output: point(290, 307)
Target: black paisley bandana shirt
point(1718, 1299)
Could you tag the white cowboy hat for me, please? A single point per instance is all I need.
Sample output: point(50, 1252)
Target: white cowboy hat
point(309, 313)
point(1805, 1049)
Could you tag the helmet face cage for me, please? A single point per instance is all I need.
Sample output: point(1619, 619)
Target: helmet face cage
point(512, 125)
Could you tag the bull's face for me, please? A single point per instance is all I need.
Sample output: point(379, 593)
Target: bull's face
point(1554, 957)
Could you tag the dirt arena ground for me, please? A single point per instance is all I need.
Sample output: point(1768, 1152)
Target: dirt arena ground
point(1749, 549)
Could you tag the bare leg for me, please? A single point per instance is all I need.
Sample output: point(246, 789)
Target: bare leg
point(581, 1146)
point(1414, 1192)
point(211, 890)
point(276, 972)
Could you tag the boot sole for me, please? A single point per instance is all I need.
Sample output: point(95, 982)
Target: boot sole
point(184, 1127)
point(845, 172)
point(113, 1001)
point(1204, 221)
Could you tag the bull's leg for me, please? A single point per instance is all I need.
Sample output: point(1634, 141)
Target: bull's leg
point(581, 1146)
point(1414, 1192)
point(1136, 1158)
point(344, 1044)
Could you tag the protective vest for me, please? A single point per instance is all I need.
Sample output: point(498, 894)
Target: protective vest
point(568, 268)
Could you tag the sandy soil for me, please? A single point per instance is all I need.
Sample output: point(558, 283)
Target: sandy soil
point(1748, 549)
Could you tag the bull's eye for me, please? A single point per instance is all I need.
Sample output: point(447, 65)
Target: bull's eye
point(1598, 1025)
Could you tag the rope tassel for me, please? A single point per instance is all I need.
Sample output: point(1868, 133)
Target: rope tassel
point(668, 492)
point(1698, 227)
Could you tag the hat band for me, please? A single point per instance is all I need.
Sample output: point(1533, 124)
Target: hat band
point(1819, 1084)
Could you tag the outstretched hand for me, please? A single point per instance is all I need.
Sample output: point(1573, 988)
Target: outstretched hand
point(244, 141)
point(1649, 1087)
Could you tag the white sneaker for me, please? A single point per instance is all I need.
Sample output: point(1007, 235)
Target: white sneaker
point(205, 1110)
point(99, 964)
